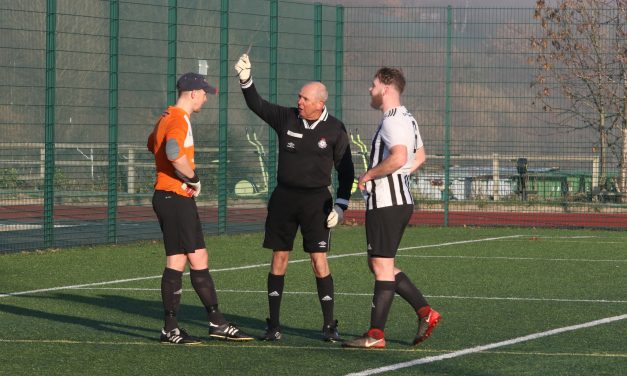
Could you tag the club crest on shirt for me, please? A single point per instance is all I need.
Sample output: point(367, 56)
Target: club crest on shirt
point(322, 143)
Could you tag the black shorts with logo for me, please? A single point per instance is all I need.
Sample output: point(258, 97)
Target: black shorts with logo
point(385, 228)
point(179, 222)
point(290, 208)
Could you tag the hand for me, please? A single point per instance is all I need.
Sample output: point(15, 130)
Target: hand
point(190, 185)
point(243, 68)
point(363, 186)
point(361, 182)
point(336, 216)
point(192, 189)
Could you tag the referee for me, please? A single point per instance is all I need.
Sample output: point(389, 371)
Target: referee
point(397, 151)
point(311, 143)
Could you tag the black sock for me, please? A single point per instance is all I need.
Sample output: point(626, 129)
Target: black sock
point(381, 303)
point(327, 300)
point(408, 291)
point(275, 293)
point(171, 290)
point(206, 291)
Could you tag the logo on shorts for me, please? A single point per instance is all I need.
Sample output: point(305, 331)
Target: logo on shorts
point(291, 145)
point(322, 144)
point(369, 247)
point(322, 244)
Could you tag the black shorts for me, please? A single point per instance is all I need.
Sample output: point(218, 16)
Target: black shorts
point(290, 208)
point(385, 228)
point(179, 222)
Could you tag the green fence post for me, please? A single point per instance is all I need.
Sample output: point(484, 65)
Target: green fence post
point(447, 113)
point(223, 117)
point(339, 60)
point(339, 65)
point(171, 75)
point(49, 164)
point(317, 42)
point(272, 96)
point(112, 195)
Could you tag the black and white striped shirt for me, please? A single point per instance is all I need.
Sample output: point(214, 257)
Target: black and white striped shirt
point(398, 127)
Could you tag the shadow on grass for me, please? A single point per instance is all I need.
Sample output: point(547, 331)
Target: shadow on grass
point(105, 317)
point(109, 306)
point(81, 321)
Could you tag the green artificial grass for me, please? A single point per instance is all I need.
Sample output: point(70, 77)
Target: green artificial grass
point(97, 310)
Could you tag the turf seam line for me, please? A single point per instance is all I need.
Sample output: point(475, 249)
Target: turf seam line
point(476, 349)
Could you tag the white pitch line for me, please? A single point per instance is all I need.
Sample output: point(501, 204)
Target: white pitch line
point(473, 350)
point(74, 286)
point(511, 298)
point(461, 242)
point(231, 269)
point(563, 300)
point(508, 258)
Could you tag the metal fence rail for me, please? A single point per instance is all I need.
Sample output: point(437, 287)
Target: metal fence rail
point(84, 83)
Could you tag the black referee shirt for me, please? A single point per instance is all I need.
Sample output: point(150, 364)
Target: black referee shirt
point(306, 156)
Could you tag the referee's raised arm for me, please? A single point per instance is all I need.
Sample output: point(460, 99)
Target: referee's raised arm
point(271, 113)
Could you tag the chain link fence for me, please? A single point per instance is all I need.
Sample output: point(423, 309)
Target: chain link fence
point(85, 82)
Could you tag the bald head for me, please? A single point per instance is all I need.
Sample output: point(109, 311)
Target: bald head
point(318, 90)
point(311, 99)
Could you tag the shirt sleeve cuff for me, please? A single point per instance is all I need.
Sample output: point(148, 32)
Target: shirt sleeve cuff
point(248, 83)
point(342, 203)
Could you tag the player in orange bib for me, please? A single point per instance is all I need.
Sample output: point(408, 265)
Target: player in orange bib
point(176, 187)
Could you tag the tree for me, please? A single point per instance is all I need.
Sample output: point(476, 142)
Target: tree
point(581, 54)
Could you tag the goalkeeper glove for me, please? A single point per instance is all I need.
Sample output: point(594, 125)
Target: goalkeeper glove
point(190, 185)
point(192, 189)
point(336, 216)
point(243, 68)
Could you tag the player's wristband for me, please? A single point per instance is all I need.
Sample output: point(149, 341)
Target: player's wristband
point(342, 206)
point(246, 84)
point(193, 179)
point(185, 179)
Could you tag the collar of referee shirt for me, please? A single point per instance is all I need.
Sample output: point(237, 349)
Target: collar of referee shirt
point(323, 117)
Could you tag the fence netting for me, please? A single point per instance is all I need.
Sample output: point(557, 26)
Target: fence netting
point(83, 84)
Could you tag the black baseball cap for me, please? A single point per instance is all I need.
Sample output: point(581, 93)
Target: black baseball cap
point(194, 81)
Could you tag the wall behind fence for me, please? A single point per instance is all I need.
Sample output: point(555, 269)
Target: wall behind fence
point(83, 84)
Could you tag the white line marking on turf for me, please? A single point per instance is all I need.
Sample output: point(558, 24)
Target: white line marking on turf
point(476, 349)
point(528, 299)
point(235, 268)
point(290, 347)
point(370, 294)
point(461, 242)
point(508, 258)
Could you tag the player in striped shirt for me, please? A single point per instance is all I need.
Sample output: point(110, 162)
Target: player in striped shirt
point(396, 152)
